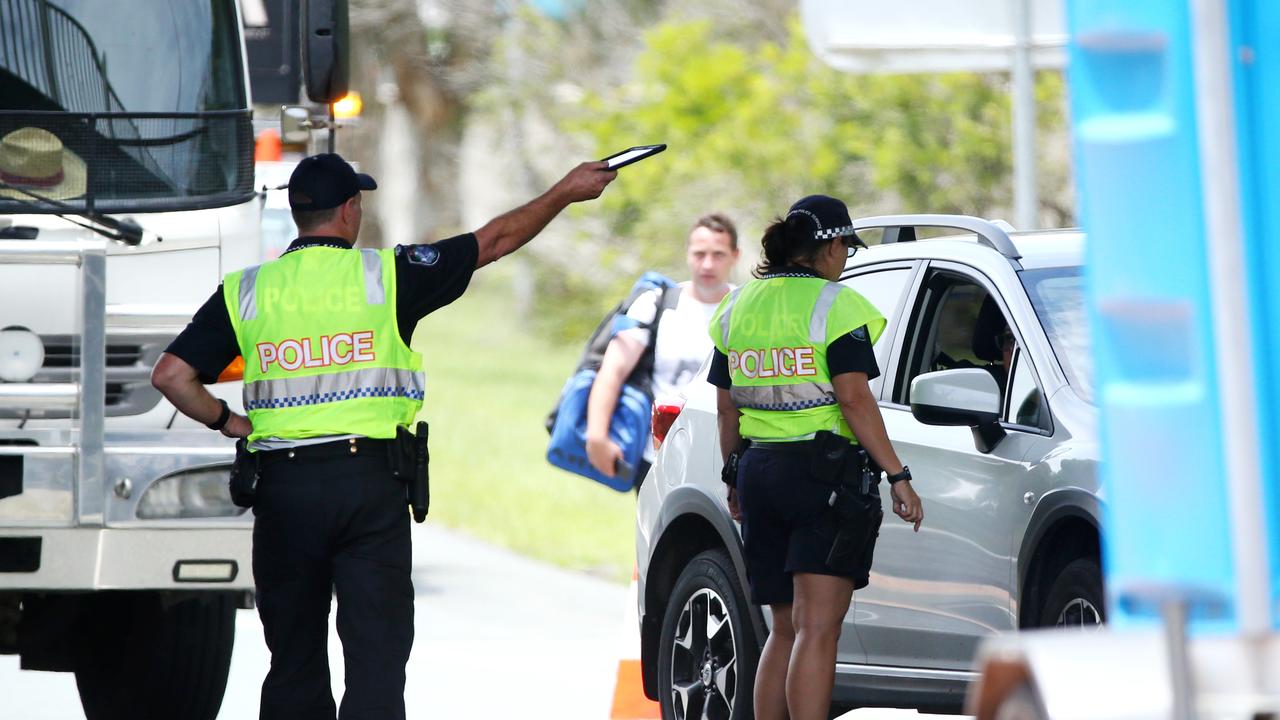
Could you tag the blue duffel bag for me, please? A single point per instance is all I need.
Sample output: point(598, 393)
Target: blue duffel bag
point(629, 428)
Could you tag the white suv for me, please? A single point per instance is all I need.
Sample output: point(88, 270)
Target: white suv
point(986, 392)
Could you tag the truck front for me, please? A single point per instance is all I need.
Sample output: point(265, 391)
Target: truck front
point(126, 191)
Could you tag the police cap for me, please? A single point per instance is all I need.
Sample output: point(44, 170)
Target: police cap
point(824, 216)
point(325, 181)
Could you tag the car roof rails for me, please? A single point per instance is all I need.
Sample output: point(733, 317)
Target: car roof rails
point(902, 228)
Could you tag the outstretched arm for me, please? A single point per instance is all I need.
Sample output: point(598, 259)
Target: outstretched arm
point(509, 231)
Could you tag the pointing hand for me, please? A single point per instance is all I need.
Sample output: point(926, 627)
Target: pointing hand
point(586, 182)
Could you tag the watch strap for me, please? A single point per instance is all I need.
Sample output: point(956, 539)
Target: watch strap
point(223, 417)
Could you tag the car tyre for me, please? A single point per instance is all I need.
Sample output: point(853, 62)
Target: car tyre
point(143, 657)
point(1075, 598)
point(707, 649)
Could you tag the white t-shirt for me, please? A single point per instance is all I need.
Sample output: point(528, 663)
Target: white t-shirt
point(683, 341)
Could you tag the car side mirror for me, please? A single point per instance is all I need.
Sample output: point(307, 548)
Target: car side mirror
point(326, 71)
point(967, 396)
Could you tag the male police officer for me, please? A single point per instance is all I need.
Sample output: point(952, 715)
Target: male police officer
point(329, 375)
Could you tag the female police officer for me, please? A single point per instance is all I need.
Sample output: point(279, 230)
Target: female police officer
point(793, 360)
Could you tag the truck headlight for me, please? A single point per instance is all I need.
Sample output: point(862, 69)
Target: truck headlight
point(193, 494)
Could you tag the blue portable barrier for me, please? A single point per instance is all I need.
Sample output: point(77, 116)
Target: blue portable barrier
point(1135, 131)
point(1185, 331)
point(1255, 28)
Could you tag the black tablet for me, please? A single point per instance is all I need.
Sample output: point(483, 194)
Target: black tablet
point(630, 155)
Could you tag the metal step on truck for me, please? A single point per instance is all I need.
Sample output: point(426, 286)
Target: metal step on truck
point(126, 192)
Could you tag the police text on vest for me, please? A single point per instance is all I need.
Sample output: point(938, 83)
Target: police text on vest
point(337, 349)
point(773, 362)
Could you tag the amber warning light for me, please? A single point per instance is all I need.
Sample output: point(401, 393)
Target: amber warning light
point(232, 372)
point(665, 413)
point(349, 106)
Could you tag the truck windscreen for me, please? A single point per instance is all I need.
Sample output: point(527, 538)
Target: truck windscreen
point(123, 106)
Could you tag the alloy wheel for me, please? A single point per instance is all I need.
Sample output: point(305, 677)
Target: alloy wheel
point(704, 659)
point(1080, 613)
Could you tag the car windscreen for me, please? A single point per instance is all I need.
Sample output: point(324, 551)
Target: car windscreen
point(1057, 294)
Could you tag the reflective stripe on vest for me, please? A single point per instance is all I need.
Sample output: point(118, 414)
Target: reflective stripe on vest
point(783, 397)
point(373, 291)
point(334, 387)
point(821, 311)
point(248, 293)
point(728, 311)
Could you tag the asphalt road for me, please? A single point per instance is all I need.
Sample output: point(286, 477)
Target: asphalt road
point(497, 636)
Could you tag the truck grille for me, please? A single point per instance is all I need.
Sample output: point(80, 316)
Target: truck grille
point(128, 366)
point(67, 355)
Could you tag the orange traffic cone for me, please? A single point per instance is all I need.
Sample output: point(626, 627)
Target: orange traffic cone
point(629, 701)
point(266, 148)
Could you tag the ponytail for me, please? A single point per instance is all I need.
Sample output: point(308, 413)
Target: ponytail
point(786, 242)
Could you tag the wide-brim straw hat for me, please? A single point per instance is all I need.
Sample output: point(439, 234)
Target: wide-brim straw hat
point(35, 159)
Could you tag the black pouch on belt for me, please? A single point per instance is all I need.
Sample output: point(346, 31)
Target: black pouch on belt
point(244, 476)
point(729, 473)
point(831, 453)
point(858, 514)
point(409, 462)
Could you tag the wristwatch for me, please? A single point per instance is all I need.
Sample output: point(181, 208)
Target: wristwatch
point(223, 417)
point(899, 477)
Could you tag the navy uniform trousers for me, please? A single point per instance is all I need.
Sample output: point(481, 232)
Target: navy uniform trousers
point(328, 520)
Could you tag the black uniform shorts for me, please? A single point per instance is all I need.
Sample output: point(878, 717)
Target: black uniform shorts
point(787, 525)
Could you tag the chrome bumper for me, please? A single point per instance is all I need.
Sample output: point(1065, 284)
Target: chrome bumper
point(136, 558)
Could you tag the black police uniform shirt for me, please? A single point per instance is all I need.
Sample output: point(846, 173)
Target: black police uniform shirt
point(428, 277)
point(851, 352)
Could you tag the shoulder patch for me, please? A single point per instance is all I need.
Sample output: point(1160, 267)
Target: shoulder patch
point(423, 255)
point(860, 333)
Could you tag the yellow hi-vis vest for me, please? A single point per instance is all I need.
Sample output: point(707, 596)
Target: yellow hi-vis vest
point(322, 350)
point(775, 332)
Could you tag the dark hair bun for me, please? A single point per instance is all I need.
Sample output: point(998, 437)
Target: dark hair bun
point(787, 241)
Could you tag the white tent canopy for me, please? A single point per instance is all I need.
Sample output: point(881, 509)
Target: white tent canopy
point(873, 36)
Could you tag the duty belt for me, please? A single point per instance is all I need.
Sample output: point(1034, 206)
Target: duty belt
point(795, 446)
point(347, 447)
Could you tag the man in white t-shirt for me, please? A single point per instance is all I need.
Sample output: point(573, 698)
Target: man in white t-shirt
point(682, 340)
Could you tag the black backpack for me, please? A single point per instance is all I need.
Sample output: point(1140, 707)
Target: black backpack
point(616, 321)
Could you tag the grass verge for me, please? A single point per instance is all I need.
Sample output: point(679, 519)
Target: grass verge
point(490, 384)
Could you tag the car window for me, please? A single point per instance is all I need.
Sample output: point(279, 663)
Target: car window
point(957, 325)
point(884, 289)
point(1025, 403)
point(1057, 295)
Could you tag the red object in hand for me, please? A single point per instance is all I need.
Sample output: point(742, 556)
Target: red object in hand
point(665, 413)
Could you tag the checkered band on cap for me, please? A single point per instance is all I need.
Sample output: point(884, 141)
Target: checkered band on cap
point(834, 232)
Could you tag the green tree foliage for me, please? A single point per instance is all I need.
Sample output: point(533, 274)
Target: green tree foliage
point(751, 126)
